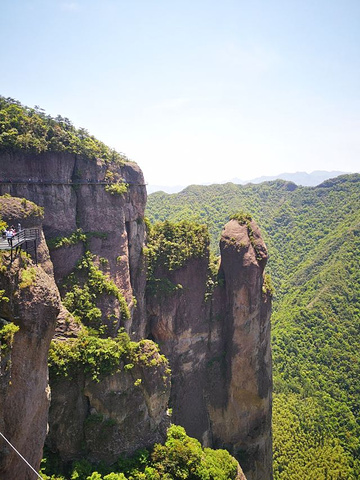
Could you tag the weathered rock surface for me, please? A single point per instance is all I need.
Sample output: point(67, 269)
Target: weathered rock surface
point(115, 416)
point(33, 305)
point(72, 191)
point(218, 346)
point(97, 420)
point(242, 418)
point(219, 350)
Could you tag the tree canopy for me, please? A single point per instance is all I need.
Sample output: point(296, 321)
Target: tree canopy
point(312, 235)
point(24, 128)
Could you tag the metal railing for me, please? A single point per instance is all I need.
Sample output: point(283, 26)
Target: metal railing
point(24, 235)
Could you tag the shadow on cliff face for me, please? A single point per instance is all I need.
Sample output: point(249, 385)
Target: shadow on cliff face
point(218, 343)
point(219, 348)
point(30, 303)
point(79, 194)
point(99, 414)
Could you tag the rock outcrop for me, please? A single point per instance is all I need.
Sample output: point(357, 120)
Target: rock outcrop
point(241, 417)
point(94, 418)
point(219, 350)
point(113, 415)
point(73, 192)
point(218, 345)
point(29, 302)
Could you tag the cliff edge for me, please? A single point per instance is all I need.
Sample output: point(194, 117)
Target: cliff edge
point(214, 331)
point(29, 308)
point(217, 340)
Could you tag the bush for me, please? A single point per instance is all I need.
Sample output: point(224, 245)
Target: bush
point(28, 276)
point(117, 188)
point(7, 333)
point(92, 355)
point(170, 246)
point(81, 299)
point(31, 129)
point(180, 458)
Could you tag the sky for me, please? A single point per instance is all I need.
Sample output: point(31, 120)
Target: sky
point(195, 91)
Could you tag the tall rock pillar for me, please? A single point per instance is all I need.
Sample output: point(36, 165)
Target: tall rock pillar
point(241, 417)
point(218, 345)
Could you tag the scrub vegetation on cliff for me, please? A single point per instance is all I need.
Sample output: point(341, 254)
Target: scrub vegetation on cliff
point(24, 128)
point(76, 237)
point(169, 246)
point(7, 332)
point(84, 286)
point(14, 209)
point(312, 234)
point(96, 357)
point(179, 458)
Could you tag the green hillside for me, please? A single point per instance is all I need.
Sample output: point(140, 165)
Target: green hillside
point(30, 129)
point(312, 234)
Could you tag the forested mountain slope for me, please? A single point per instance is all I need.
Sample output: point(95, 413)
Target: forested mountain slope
point(312, 234)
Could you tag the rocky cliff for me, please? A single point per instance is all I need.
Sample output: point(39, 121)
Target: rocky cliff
point(218, 344)
point(113, 414)
point(219, 349)
point(29, 308)
point(97, 411)
point(74, 192)
point(241, 419)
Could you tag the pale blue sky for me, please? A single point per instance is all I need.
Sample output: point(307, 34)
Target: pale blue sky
point(195, 91)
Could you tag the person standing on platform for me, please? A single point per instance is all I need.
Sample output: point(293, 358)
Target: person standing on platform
point(9, 235)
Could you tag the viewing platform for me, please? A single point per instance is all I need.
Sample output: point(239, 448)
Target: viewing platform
point(27, 240)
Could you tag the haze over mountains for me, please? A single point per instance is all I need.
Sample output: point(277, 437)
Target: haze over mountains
point(300, 178)
point(313, 238)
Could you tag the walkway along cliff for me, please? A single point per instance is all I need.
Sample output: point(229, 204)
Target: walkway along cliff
point(218, 344)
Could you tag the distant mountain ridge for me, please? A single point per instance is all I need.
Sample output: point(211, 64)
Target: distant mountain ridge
point(300, 178)
point(313, 238)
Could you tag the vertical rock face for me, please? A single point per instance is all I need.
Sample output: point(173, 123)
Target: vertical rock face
point(218, 345)
point(116, 415)
point(95, 419)
point(219, 350)
point(72, 190)
point(243, 417)
point(31, 302)
point(180, 326)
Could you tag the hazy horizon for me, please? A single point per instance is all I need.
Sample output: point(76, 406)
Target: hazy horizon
point(195, 91)
point(313, 178)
